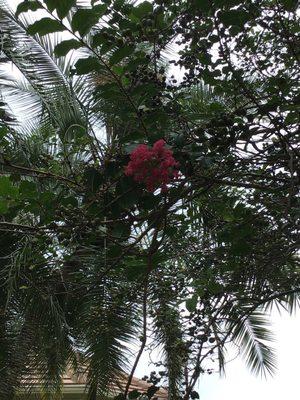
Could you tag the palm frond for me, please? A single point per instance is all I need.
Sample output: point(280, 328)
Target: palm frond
point(21, 97)
point(40, 70)
point(253, 335)
point(106, 336)
point(169, 336)
point(289, 302)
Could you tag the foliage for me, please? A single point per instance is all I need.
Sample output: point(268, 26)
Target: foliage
point(91, 260)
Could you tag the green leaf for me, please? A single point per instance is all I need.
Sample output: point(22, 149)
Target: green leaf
point(203, 5)
point(93, 179)
point(151, 391)
point(216, 107)
point(148, 201)
point(3, 132)
point(194, 395)
point(135, 268)
point(61, 6)
point(84, 19)
point(64, 47)
point(100, 9)
point(135, 62)
point(99, 39)
point(64, 7)
point(253, 335)
point(7, 188)
point(3, 207)
point(128, 195)
point(221, 3)
point(121, 230)
point(191, 303)
point(121, 53)
point(87, 65)
point(134, 394)
point(27, 6)
point(51, 4)
point(28, 189)
point(45, 26)
point(142, 9)
point(114, 251)
point(290, 5)
point(69, 201)
point(234, 17)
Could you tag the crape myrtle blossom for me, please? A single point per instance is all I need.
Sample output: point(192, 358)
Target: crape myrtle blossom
point(154, 166)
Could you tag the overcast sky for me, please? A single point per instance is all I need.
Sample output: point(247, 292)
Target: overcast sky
point(239, 383)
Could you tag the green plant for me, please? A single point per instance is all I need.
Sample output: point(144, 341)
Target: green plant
point(91, 260)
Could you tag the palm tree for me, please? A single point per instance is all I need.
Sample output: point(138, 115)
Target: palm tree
point(37, 319)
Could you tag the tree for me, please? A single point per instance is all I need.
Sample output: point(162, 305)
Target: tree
point(138, 206)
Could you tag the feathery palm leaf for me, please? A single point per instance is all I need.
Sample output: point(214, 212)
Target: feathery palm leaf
point(253, 336)
point(40, 70)
point(169, 336)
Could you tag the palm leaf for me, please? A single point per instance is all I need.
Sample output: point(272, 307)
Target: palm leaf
point(40, 70)
point(169, 336)
point(253, 335)
point(109, 326)
point(289, 302)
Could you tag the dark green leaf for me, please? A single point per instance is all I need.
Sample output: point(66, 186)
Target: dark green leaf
point(191, 303)
point(195, 395)
point(27, 6)
point(134, 268)
point(290, 5)
point(134, 394)
point(127, 193)
point(45, 26)
point(93, 179)
point(121, 53)
point(51, 4)
point(142, 9)
point(84, 19)
point(234, 17)
point(7, 188)
point(28, 189)
point(203, 5)
point(69, 201)
point(148, 201)
point(99, 40)
point(61, 6)
point(3, 132)
point(64, 6)
point(87, 65)
point(151, 391)
point(121, 230)
point(114, 251)
point(3, 207)
point(64, 47)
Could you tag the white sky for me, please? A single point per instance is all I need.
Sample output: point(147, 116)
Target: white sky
point(239, 383)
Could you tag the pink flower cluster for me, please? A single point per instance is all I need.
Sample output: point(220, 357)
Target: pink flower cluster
point(155, 167)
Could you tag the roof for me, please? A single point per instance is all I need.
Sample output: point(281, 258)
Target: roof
point(75, 383)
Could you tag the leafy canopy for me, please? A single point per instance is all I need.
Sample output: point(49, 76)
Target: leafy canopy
point(90, 260)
